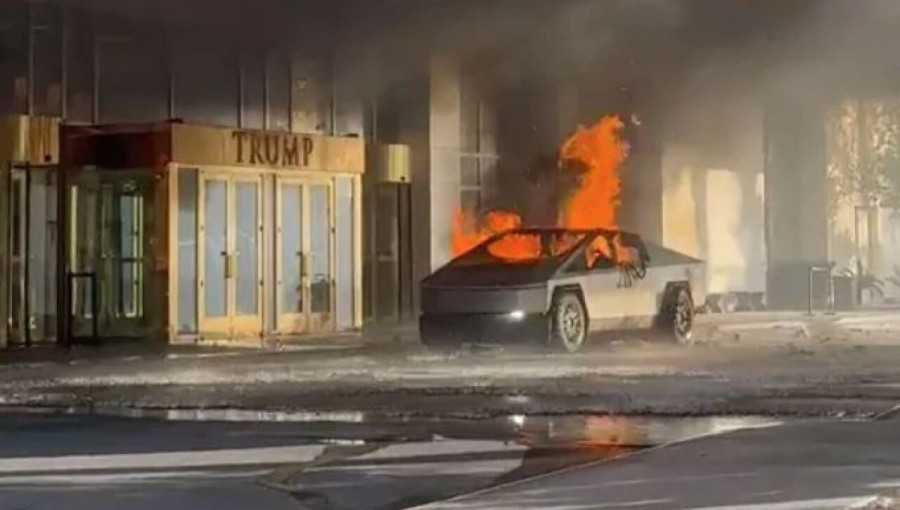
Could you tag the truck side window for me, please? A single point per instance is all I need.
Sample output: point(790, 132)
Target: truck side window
point(600, 254)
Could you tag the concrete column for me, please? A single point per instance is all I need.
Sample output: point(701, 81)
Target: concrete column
point(796, 201)
point(444, 146)
point(712, 191)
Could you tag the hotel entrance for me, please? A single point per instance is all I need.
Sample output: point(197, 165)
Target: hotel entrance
point(206, 234)
point(110, 215)
point(304, 256)
point(230, 283)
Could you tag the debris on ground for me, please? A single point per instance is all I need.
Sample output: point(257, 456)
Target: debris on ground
point(882, 502)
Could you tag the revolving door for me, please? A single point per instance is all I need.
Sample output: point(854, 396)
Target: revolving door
point(109, 281)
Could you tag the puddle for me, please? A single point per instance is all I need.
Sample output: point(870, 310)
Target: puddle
point(362, 460)
point(536, 431)
point(629, 431)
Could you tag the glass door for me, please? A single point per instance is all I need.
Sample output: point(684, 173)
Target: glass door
point(215, 269)
point(305, 276)
point(230, 234)
point(83, 254)
point(245, 243)
point(110, 223)
point(17, 253)
point(31, 242)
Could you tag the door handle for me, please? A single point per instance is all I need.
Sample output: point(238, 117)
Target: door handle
point(229, 265)
point(305, 266)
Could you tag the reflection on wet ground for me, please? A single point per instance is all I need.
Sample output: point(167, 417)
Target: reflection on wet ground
point(534, 431)
point(450, 457)
point(358, 460)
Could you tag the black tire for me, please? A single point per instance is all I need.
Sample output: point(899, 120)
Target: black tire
point(568, 323)
point(677, 317)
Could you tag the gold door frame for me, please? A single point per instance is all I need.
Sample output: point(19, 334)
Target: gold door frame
point(210, 325)
point(245, 325)
point(285, 322)
point(231, 324)
point(306, 321)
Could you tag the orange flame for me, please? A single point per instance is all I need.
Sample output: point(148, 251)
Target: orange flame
point(599, 152)
point(517, 248)
point(468, 232)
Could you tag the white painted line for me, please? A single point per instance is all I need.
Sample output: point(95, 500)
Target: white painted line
point(121, 478)
point(800, 504)
point(452, 447)
point(163, 460)
point(241, 415)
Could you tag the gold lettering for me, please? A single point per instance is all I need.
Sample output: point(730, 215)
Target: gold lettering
point(239, 137)
point(257, 148)
point(291, 152)
point(273, 148)
point(256, 156)
point(307, 149)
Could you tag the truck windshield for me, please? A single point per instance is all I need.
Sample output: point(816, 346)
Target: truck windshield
point(522, 247)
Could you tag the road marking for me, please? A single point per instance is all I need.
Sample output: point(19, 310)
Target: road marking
point(121, 478)
point(162, 460)
point(799, 504)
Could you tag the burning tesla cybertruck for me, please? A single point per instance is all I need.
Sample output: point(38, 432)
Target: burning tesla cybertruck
point(555, 286)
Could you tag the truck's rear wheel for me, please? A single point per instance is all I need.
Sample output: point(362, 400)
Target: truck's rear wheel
point(678, 315)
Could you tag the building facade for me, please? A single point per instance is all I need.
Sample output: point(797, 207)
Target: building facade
point(174, 178)
point(294, 168)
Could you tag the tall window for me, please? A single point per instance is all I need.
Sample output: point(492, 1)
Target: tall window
point(206, 81)
point(46, 27)
point(131, 72)
point(79, 66)
point(253, 78)
point(279, 91)
point(13, 57)
point(478, 146)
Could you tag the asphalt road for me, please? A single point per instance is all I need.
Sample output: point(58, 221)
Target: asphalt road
point(75, 462)
point(817, 465)
point(51, 462)
point(407, 427)
point(67, 462)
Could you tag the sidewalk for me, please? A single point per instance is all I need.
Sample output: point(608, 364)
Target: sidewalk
point(845, 364)
point(384, 338)
point(881, 327)
point(867, 326)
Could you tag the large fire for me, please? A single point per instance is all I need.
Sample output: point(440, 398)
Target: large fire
point(597, 153)
point(600, 152)
point(469, 232)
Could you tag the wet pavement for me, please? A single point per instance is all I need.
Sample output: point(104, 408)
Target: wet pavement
point(806, 465)
point(392, 425)
point(821, 379)
point(113, 462)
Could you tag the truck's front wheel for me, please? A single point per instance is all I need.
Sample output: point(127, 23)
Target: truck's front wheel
point(569, 323)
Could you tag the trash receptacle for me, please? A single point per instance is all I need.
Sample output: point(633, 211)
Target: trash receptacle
point(844, 292)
